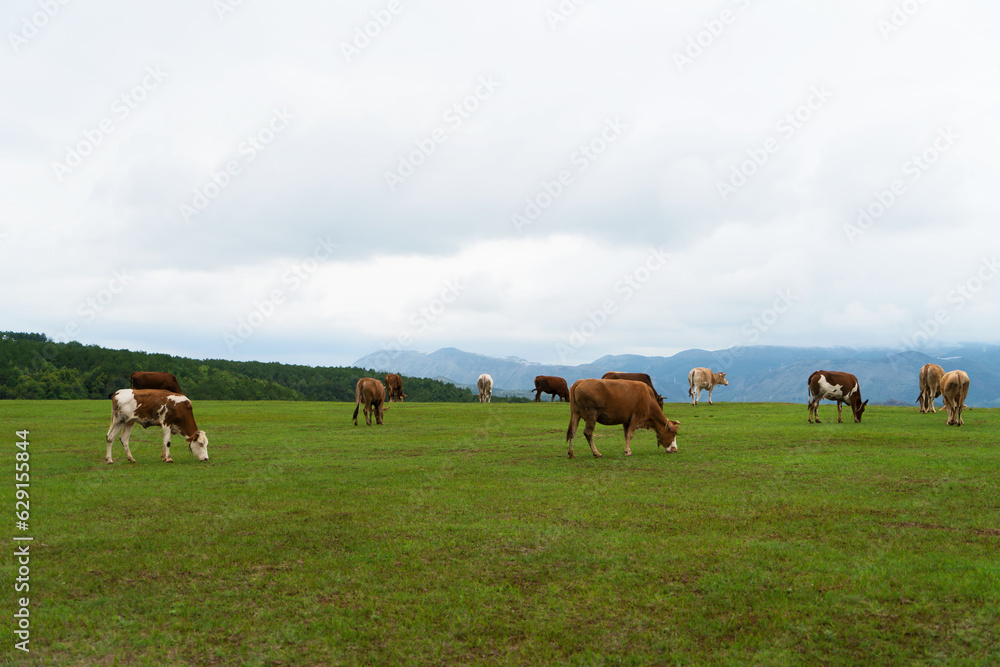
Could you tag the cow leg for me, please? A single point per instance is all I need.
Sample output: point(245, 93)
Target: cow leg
point(126, 432)
point(113, 432)
point(710, 390)
point(166, 445)
point(840, 406)
point(574, 421)
point(695, 395)
point(813, 411)
point(588, 433)
point(629, 430)
point(553, 398)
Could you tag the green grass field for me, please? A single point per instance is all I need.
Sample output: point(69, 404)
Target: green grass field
point(462, 534)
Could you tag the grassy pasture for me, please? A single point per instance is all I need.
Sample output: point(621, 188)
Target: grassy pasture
point(461, 534)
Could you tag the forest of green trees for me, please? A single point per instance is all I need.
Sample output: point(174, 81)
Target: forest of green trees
point(34, 367)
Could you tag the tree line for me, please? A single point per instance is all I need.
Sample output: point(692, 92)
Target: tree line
point(34, 367)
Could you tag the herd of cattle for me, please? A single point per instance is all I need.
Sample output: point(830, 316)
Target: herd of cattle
point(617, 399)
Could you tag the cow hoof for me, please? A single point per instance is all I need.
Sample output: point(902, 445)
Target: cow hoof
point(571, 455)
point(628, 453)
point(109, 461)
point(169, 461)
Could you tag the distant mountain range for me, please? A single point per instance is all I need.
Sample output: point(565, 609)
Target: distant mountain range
point(755, 373)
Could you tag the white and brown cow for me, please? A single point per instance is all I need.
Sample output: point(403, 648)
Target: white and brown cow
point(930, 387)
point(703, 378)
point(954, 390)
point(370, 393)
point(835, 386)
point(155, 407)
point(611, 402)
point(155, 380)
point(485, 386)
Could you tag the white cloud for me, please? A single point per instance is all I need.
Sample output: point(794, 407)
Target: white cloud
point(655, 184)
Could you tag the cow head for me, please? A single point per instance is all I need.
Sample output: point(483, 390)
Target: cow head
point(199, 445)
point(723, 380)
point(859, 409)
point(667, 436)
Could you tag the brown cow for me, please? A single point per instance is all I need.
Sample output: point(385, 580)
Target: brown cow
point(155, 380)
point(703, 378)
point(835, 386)
point(627, 402)
point(954, 390)
point(930, 387)
point(149, 407)
point(638, 377)
point(394, 387)
point(550, 384)
point(370, 393)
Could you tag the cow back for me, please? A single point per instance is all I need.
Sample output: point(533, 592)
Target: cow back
point(155, 380)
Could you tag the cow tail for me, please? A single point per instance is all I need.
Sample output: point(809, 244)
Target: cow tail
point(356, 408)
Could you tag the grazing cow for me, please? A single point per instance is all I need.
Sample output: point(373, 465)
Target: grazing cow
point(485, 386)
point(370, 393)
point(954, 390)
point(394, 387)
point(639, 377)
point(930, 387)
point(610, 402)
point(703, 378)
point(550, 384)
point(835, 386)
point(155, 380)
point(148, 407)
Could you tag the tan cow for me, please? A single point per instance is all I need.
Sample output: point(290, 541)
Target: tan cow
point(930, 387)
point(155, 407)
point(610, 402)
point(703, 378)
point(954, 390)
point(394, 387)
point(485, 386)
point(550, 384)
point(370, 393)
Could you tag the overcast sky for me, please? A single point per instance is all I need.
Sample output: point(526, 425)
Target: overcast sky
point(310, 182)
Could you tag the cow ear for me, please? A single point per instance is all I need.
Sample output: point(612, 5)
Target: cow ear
point(674, 422)
point(864, 404)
